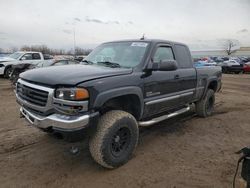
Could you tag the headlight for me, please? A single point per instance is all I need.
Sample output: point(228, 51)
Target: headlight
point(72, 94)
point(1, 65)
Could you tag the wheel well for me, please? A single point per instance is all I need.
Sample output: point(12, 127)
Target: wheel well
point(8, 66)
point(129, 103)
point(213, 85)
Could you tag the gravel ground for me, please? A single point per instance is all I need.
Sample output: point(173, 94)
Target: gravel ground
point(186, 151)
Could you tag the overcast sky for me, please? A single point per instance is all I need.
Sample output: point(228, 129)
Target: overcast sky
point(202, 24)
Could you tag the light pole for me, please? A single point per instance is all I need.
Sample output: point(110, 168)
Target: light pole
point(74, 43)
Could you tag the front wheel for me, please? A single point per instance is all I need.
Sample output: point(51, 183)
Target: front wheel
point(115, 139)
point(13, 78)
point(205, 106)
point(8, 72)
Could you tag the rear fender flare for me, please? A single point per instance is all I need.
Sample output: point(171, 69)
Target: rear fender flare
point(214, 78)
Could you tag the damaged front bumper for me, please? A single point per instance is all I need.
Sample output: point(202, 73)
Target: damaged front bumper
point(58, 122)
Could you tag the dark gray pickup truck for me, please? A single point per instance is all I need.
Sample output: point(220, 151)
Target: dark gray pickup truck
point(118, 87)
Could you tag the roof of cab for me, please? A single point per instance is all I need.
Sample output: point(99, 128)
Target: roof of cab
point(149, 40)
point(28, 51)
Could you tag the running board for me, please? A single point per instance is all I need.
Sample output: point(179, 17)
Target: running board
point(164, 117)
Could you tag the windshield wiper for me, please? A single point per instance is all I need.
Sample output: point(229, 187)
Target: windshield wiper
point(87, 62)
point(110, 64)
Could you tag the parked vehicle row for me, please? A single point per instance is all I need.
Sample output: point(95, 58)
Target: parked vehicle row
point(22, 67)
point(29, 57)
point(246, 67)
point(14, 64)
point(229, 64)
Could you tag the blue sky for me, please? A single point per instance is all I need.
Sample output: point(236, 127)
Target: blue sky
point(201, 24)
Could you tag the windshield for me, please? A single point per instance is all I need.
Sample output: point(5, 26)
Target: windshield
point(15, 55)
point(123, 54)
point(45, 63)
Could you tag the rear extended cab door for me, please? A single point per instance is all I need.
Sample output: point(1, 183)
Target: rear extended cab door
point(186, 72)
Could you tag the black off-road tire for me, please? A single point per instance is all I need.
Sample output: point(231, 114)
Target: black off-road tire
point(205, 106)
point(116, 129)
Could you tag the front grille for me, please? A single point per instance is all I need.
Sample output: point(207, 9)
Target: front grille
point(46, 113)
point(32, 95)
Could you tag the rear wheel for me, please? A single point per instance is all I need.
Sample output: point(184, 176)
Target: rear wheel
point(205, 106)
point(224, 70)
point(115, 139)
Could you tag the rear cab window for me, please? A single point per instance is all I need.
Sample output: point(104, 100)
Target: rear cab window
point(183, 56)
point(36, 56)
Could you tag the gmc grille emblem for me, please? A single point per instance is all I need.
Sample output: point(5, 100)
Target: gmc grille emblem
point(26, 92)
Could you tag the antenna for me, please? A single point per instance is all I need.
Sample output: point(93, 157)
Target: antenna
point(143, 37)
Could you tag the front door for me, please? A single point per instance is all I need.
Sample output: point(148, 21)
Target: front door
point(161, 88)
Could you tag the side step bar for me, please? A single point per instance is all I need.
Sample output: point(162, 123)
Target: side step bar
point(164, 117)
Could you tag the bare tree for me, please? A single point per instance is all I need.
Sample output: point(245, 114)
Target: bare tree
point(229, 46)
point(13, 49)
point(46, 50)
point(25, 48)
point(81, 51)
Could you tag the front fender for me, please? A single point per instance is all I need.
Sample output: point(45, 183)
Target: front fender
point(117, 92)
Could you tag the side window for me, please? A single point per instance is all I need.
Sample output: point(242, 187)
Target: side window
point(36, 56)
point(46, 56)
point(183, 56)
point(163, 53)
point(27, 57)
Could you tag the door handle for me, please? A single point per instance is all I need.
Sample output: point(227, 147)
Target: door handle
point(177, 76)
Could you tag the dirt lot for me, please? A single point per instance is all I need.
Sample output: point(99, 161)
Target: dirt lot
point(183, 152)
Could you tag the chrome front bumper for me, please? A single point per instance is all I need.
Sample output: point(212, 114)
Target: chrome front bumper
point(56, 121)
point(2, 70)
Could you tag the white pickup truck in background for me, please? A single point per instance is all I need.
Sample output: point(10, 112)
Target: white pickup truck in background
point(20, 57)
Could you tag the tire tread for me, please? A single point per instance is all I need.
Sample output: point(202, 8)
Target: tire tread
point(104, 125)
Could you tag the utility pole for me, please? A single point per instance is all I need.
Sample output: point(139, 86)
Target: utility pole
point(74, 43)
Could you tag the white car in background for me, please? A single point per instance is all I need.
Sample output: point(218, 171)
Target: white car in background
point(19, 57)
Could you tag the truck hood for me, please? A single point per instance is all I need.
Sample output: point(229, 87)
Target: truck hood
point(5, 59)
point(71, 75)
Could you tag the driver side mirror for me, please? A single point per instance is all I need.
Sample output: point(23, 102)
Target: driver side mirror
point(165, 65)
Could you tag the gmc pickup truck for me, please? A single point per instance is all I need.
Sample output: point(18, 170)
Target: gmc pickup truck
point(19, 57)
point(118, 87)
